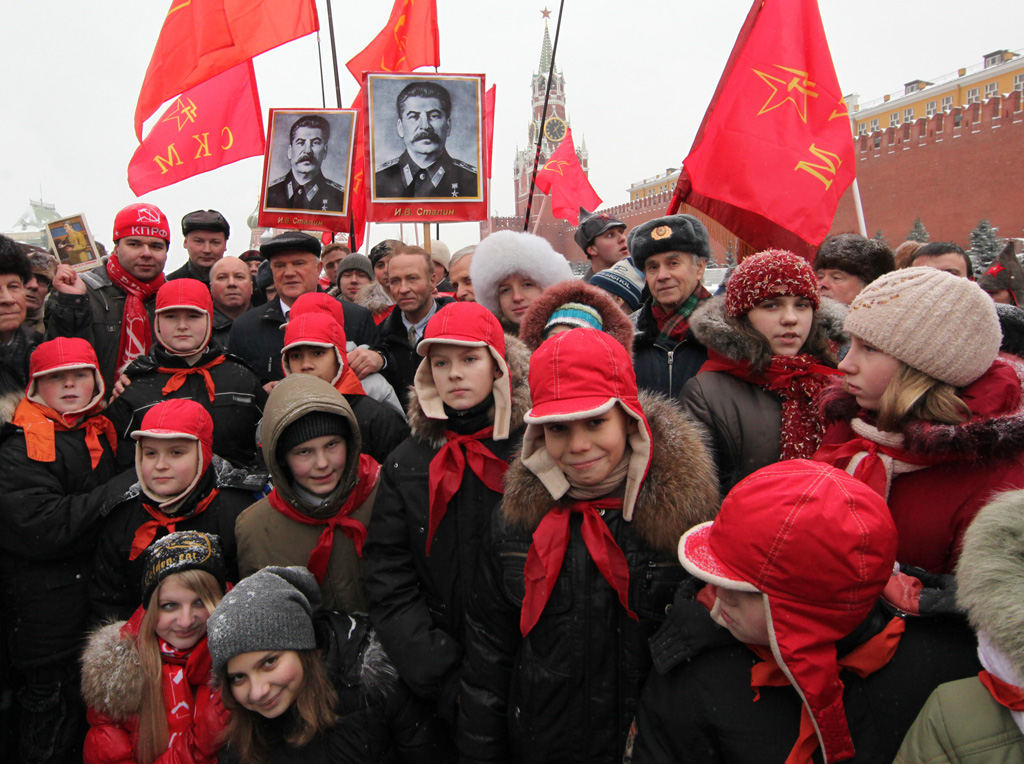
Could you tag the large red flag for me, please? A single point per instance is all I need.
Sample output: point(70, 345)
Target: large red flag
point(563, 177)
point(357, 180)
point(775, 150)
point(489, 97)
point(408, 41)
point(202, 38)
point(213, 124)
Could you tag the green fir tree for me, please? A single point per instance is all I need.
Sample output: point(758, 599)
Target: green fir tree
point(880, 237)
point(730, 254)
point(985, 245)
point(918, 233)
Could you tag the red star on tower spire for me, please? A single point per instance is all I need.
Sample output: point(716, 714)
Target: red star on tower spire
point(546, 13)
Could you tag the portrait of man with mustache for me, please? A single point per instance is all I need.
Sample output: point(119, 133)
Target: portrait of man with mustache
point(305, 187)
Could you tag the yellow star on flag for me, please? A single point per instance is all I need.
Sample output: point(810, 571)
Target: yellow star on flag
point(795, 89)
point(182, 113)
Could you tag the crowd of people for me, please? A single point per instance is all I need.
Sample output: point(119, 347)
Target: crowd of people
point(312, 505)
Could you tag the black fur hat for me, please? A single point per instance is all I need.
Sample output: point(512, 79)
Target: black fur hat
point(867, 259)
point(674, 233)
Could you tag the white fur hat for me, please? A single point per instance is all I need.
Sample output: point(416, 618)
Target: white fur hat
point(508, 253)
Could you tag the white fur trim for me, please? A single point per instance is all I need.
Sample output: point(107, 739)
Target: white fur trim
point(506, 253)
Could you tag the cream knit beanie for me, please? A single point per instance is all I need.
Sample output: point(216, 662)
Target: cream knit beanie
point(937, 323)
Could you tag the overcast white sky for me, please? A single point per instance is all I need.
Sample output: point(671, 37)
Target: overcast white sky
point(638, 79)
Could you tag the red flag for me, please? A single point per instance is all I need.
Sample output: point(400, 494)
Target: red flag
point(213, 124)
point(775, 150)
point(357, 180)
point(563, 178)
point(489, 124)
point(202, 38)
point(408, 41)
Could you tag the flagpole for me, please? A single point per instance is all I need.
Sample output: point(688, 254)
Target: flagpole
point(857, 204)
point(540, 213)
point(334, 54)
point(543, 117)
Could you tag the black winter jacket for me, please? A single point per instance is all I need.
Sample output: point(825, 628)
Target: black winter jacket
point(236, 409)
point(50, 519)
point(381, 427)
point(663, 367)
point(400, 358)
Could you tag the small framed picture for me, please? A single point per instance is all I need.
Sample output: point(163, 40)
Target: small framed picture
point(306, 169)
point(71, 239)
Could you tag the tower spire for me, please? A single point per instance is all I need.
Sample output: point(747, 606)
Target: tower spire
point(545, 51)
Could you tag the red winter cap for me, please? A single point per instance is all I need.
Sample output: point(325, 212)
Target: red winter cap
point(176, 418)
point(189, 294)
point(318, 302)
point(317, 329)
point(141, 220)
point(772, 273)
point(64, 354)
point(820, 545)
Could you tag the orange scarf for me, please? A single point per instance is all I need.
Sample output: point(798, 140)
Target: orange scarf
point(40, 424)
point(178, 376)
point(147, 531)
point(348, 383)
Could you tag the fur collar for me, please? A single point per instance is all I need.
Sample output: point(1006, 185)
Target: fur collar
point(517, 356)
point(373, 298)
point(680, 491)
point(112, 681)
point(709, 324)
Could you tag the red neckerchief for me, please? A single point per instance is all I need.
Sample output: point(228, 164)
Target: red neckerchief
point(369, 471)
point(147, 531)
point(551, 539)
point(449, 465)
point(40, 424)
point(348, 383)
point(136, 334)
point(1005, 694)
point(181, 671)
point(798, 380)
point(178, 376)
point(865, 659)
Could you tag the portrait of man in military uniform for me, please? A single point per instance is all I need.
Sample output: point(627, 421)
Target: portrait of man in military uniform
point(305, 186)
point(425, 169)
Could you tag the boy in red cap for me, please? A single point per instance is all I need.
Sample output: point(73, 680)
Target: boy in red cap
point(580, 564)
point(56, 459)
point(185, 363)
point(179, 488)
point(819, 667)
point(439, 486)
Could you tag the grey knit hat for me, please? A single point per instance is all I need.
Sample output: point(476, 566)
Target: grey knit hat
point(356, 262)
point(315, 424)
point(270, 610)
point(937, 323)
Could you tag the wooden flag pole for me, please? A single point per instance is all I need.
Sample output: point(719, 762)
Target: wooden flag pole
point(540, 213)
point(426, 237)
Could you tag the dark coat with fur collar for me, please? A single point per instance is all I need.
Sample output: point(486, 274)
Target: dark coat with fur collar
point(568, 691)
point(418, 602)
point(744, 419)
point(663, 366)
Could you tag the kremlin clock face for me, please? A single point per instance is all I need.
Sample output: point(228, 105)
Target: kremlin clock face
point(554, 129)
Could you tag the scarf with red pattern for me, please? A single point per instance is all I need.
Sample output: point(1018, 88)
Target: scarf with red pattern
point(136, 334)
point(673, 325)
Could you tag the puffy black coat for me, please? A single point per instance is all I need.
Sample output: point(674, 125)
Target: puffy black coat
point(698, 705)
point(663, 367)
point(418, 602)
point(400, 358)
point(257, 338)
point(236, 409)
point(567, 692)
point(381, 427)
point(115, 590)
point(50, 519)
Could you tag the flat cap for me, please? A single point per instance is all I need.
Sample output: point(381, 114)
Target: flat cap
point(290, 241)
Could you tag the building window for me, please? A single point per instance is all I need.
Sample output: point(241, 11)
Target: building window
point(947, 103)
point(973, 95)
point(862, 129)
point(874, 125)
point(929, 110)
point(908, 115)
point(1018, 82)
point(993, 60)
point(991, 89)
point(894, 119)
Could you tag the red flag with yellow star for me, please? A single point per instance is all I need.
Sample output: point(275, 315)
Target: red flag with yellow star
point(775, 150)
point(213, 124)
point(408, 41)
point(563, 178)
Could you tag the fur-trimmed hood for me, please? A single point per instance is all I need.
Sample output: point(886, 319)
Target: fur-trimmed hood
point(680, 490)
point(112, 681)
point(616, 323)
point(373, 297)
point(994, 432)
point(710, 325)
point(517, 357)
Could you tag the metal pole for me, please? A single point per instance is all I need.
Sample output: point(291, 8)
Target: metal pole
point(334, 54)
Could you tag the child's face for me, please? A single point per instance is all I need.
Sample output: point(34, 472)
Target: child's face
point(168, 466)
point(464, 377)
point(313, 360)
point(587, 450)
point(785, 321)
point(868, 372)
point(66, 391)
point(319, 463)
point(181, 622)
point(743, 614)
point(266, 683)
point(182, 330)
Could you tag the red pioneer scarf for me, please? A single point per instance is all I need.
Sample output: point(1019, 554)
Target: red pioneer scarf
point(147, 531)
point(449, 465)
point(864, 660)
point(348, 383)
point(40, 424)
point(182, 670)
point(369, 471)
point(136, 336)
point(1005, 694)
point(551, 539)
point(178, 376)
point(798, 380)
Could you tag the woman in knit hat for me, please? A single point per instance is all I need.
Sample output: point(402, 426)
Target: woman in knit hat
point(770, 355)
point(799, 660)
point(579, 565)
point(309, 685)
point(509, 271)
point(928, 414)
point(146, 680)
point(575, 304)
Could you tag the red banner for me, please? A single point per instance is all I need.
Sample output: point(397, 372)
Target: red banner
point(563, 178)
point(489, 124)
point(202, 38)
point(213, 124)
point(408, 41)
point(775, 150)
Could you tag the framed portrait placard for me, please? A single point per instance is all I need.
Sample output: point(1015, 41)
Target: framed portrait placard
point(71, 239)
point(306, 169)
point(425, 147)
